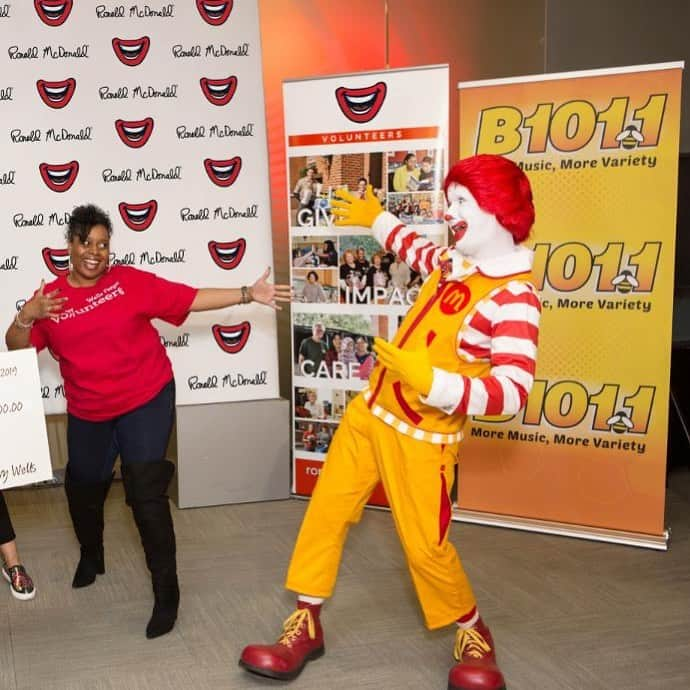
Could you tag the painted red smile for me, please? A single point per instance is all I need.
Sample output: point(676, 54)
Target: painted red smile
point(227, 255)
point(459, 230)
point(361, 105)
point(219, 91)
point(56, 94)
point(214, 12)
point(57, 260)
point(134, 133)
point(53, 12)
point(131, 52)
point(232, 339)
point(138, 217)
point(58, 177)
point(223, 172)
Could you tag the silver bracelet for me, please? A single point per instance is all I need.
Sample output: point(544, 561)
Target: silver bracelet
point(21, 324)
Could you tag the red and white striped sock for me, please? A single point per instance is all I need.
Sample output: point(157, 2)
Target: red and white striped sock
point(313, 603)
point(469, 620)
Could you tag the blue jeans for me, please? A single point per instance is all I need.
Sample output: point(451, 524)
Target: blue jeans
point(138, 436)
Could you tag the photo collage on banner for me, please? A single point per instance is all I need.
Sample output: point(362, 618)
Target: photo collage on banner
point(344, 133)
point(154, 112)
point(589, 449)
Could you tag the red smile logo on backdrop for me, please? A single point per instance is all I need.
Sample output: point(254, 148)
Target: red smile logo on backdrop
point(134, 133)
point(361, 105)
point(132, 51)
point(219, 91)
point(214, 12)
point(223, 172)
point(57, 260)
point(227, 255)
point(232, 339)
point(59, 177)
point(56, 94)
point(53, 12)
point(138, 217)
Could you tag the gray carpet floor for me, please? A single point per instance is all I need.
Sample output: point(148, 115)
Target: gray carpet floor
point(565, 613)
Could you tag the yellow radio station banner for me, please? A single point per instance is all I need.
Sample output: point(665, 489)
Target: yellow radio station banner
point(587, 455)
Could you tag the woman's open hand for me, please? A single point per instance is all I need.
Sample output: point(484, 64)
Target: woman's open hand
point(268, 294)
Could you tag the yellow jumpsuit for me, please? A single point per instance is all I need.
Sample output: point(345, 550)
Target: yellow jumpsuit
point(388, 434)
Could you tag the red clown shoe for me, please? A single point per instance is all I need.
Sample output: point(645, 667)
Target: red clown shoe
point(301, 641)
point(477, 668)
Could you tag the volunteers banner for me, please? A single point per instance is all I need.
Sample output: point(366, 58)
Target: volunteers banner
point(349, 131)
point(155, 112)
point(25, 458)
point(587, 456)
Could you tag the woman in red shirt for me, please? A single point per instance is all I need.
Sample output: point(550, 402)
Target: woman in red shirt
point(120, 390)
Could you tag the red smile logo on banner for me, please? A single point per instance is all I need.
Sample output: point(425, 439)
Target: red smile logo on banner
point(134, 133)
point(227, 255)
point(214, 12)
point(53, 12)
point(223, 172)
point(218, 91)
point(138, 217)
point(131, 52)
point(59, 177)
point(56, 94)
point(361, 105)
point(232, 339)
point(57, 260)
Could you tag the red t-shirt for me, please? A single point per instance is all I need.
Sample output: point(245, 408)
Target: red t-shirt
point(111, 357)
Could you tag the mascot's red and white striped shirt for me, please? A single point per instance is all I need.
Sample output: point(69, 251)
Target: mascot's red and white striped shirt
point(502, 330)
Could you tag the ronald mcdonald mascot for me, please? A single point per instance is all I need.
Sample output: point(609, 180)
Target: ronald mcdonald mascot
point(466, 347)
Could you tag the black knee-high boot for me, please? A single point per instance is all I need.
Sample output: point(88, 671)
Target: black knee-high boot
point(86, 503)
point(146, 484)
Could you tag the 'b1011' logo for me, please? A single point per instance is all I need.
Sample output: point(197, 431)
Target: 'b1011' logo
point(571, 126)
point(568, 404)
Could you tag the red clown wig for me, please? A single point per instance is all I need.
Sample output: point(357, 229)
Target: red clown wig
point(500, 188)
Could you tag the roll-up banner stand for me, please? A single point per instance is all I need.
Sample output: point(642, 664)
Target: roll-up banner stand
point(587, 455)
point(345, 131)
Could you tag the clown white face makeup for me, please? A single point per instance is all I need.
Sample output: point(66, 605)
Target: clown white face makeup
point(477, 234)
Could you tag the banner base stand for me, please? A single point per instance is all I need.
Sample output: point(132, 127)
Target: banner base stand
point(231, 452)
point(562, 529)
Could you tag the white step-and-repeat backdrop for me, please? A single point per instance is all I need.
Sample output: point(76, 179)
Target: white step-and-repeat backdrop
point(155, 112)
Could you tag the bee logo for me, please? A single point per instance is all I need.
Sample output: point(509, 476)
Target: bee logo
point(630, 137)
point(619, 423)
point(625, 282)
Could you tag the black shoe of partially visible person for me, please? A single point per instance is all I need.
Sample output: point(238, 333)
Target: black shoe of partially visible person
point(21, 584)
point(146, 486)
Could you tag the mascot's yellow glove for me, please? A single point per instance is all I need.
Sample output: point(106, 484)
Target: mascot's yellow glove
point(349, 210)
point(413, 366)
